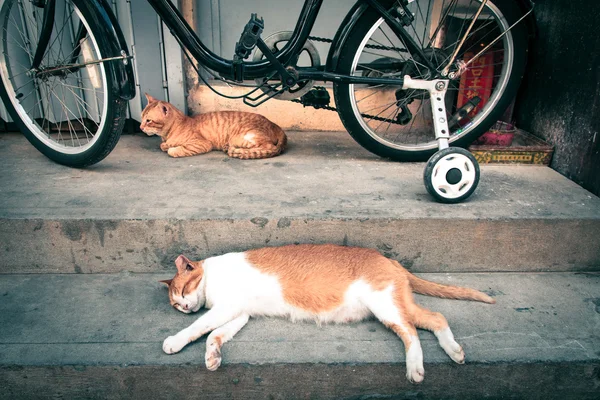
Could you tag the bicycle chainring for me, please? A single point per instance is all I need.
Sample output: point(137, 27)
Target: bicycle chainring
point(276, 42)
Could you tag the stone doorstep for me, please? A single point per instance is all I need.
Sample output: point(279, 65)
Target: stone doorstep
point(101, 337)
point(138, 209)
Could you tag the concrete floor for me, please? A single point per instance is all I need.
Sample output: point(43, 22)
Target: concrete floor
point(94, 335)
point(83, 316)
point(322, 175)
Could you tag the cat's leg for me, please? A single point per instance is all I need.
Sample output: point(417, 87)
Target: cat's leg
point(218, 337)
point(438, 324)
point(251, 145)
point(209, 321)
point(191, 149)
point(384, 305)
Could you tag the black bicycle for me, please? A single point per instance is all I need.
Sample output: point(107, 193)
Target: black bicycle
point(410, 77)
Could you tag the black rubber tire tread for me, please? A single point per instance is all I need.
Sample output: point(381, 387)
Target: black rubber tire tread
point(428, 172)
point(511, 12)
point(108, 137)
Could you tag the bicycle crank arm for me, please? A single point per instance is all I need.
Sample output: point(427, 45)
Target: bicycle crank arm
point(437, 92)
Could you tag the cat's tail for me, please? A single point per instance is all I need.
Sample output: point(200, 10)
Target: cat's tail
point(422, 286)
point(428, 288)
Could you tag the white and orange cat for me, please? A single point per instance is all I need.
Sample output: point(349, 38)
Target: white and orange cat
point(240, 134)
point(325, 283)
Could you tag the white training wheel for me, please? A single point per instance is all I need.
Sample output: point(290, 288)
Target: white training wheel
point(451, 175)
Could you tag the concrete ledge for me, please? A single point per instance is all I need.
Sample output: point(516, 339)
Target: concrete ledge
point(561, 381)
point(422, 245)
point(99, 336)
point(138, 209)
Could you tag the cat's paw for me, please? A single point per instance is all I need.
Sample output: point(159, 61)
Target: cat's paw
point(415, 373)
point(453, 349)
point(175, 152)
point(457, 354)
point(213, 358)
point(173, 344)
point(164, 147)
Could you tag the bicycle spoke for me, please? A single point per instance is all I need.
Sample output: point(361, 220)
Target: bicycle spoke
point(64, 110)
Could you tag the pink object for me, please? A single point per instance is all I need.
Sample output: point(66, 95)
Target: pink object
point(495, 138)
point(501, 134)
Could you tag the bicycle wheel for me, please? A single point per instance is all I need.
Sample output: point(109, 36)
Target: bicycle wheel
point(65, 109)
point(396, 123)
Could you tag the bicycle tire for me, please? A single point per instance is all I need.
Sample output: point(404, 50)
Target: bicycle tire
point(344, 100)
point(113, 112)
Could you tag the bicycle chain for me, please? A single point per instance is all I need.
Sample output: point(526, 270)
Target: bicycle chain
point(369, 46)
point(329, 108)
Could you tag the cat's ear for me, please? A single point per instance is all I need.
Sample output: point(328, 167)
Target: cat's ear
point(165, 110)
point(183, 263)
point(150, 98)
point(167, 282)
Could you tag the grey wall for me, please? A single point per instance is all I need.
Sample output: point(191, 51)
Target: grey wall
point(158, 59)
point(220, 22)
point(560, 98)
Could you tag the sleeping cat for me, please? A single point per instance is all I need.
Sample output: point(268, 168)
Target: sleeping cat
point(240, 134)
point(325, 283)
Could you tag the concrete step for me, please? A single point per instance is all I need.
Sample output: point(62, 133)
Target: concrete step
point(138, 209)
point(99, 336)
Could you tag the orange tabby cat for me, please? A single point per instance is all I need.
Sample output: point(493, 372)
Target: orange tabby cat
point(324, 283)
point(240, 134)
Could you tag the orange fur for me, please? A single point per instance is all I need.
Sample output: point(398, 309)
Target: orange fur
point(326, 282)
point(316, 277)
point(240, 134)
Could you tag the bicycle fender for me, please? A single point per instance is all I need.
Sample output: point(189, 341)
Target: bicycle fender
point(341, 36)
point(112, 38)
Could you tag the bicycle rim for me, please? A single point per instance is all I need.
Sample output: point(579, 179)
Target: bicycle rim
point(66, 111)
point(402, 119)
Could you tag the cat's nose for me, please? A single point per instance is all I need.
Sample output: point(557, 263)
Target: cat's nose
point(185, 306)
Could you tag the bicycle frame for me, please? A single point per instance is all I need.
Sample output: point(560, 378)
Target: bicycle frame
point(274, 63)
point(190, 41)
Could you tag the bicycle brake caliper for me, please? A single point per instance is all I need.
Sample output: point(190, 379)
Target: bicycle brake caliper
point(403, 14)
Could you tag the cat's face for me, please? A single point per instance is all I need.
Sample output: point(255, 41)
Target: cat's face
point(155, 116)
point(185, 292)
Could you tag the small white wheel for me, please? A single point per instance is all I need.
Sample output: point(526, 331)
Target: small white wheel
point(451, 175)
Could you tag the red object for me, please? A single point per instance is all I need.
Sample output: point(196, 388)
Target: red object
point(477, 81)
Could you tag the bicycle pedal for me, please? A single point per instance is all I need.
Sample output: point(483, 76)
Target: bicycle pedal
point(249, 37)
point(462, 112)
point(317, 97)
